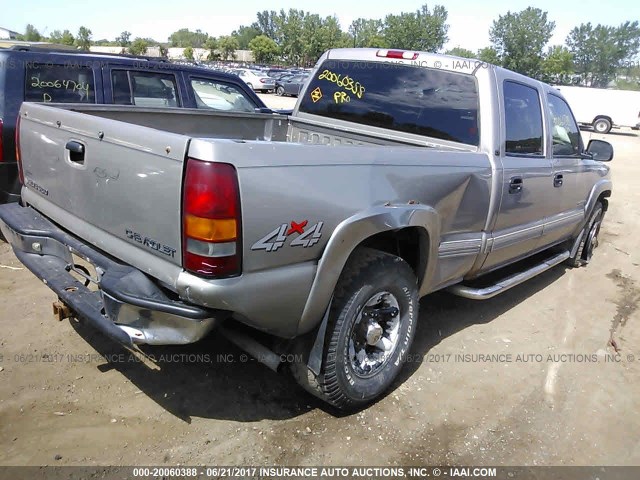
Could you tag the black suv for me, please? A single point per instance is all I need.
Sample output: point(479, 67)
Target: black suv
point(66, 76)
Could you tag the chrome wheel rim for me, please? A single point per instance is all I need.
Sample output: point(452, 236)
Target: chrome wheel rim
point(601, 127)
point(374, 335)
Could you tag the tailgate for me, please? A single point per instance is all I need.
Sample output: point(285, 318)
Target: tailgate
point(114, 184)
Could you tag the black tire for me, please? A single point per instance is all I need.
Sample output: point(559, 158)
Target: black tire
point(589, 240)
point(602, 125)
point(369, 276)
point(280, 91)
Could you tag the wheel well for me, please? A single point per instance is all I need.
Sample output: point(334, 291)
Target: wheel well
point(602, 116)
point(411, 244)
point(602, 199)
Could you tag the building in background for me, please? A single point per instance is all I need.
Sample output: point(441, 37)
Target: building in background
point(7, 34)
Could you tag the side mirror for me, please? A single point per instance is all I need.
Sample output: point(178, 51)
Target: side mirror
point(600, 150)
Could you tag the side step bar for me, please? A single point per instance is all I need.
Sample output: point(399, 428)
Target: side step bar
point(506, 283)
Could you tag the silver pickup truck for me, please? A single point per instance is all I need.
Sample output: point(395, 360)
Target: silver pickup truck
point(397, 174)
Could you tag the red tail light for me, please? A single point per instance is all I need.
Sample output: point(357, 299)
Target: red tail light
point(18, 158)
point(262, 80)
point(399, 54)
point(211, 241)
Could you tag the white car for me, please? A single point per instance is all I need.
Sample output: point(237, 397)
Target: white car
point(256, 80)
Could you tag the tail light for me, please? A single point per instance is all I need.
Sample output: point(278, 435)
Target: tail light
point(398, 54)
point(211, 219)
point(18, 157)
point(262, 80)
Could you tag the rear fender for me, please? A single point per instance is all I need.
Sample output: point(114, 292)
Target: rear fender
point(352, 232)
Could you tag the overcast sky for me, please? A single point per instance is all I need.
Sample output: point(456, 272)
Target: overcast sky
point(469, 20)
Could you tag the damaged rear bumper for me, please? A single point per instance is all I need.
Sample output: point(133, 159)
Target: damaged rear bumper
point(127, 305)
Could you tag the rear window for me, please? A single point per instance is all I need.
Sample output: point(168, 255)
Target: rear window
point(416, 100)
point(59, 83)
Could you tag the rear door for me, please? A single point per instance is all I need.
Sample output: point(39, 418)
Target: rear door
point(526, 173)
point(144, 88)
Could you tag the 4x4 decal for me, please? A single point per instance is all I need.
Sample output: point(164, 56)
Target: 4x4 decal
point(276, 238)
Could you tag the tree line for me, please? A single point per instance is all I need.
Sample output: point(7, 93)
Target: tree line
point(592, 55)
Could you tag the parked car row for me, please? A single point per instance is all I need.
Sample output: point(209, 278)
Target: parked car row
point(279, 80)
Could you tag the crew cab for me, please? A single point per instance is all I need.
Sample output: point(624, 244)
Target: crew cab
point(397, 174)
point(39, 74)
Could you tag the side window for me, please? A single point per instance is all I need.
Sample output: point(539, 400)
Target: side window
point(523, 119)
point(220, 96)
point(144, 89)
point(59, 83)
point(566, 134)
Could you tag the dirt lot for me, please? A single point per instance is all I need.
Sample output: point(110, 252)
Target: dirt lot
point(69, 397)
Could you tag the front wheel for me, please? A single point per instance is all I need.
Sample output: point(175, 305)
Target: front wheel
point(371, 326)
point(280, 91)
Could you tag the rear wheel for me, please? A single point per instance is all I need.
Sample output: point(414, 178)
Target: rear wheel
point(602, 125)
point(371, 326)
point(280, 91)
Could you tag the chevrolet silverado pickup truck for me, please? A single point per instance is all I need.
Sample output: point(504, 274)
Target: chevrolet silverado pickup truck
point(317, 232)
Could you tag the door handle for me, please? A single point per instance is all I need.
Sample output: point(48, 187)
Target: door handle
point(515, 185)
point(558, 180)
point(76, 151)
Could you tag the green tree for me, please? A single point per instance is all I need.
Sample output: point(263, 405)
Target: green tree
point(557, 66)
point(186, 38)
point(124, 40)
point(461, 52)
point(264, 49)
point(245, 34)
point(420, 30)
point(188, 53)
point(56, 36)
point(31, 34)
point(290, 28)
point(599, 51)
point(139, 46)
point(367, 33)
point(212, 46)
point(228, 46)
point(488, 55)
point(519, 39)
point(67, 38)
point(83, 38)
point(268, 24)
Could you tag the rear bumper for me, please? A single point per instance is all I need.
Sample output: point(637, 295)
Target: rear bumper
point(127, 306)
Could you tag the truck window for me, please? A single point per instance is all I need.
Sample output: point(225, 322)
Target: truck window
point(59, 83)
point(211, 94)
point(144, 89)
point(410, 99)
point(565, 134)
point(523, 119)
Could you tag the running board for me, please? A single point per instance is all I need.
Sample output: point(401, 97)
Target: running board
point(506, 283)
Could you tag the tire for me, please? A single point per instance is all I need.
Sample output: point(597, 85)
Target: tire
point(602, 125)
point(280, 91)
point(589, 241)
point(355, 369)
